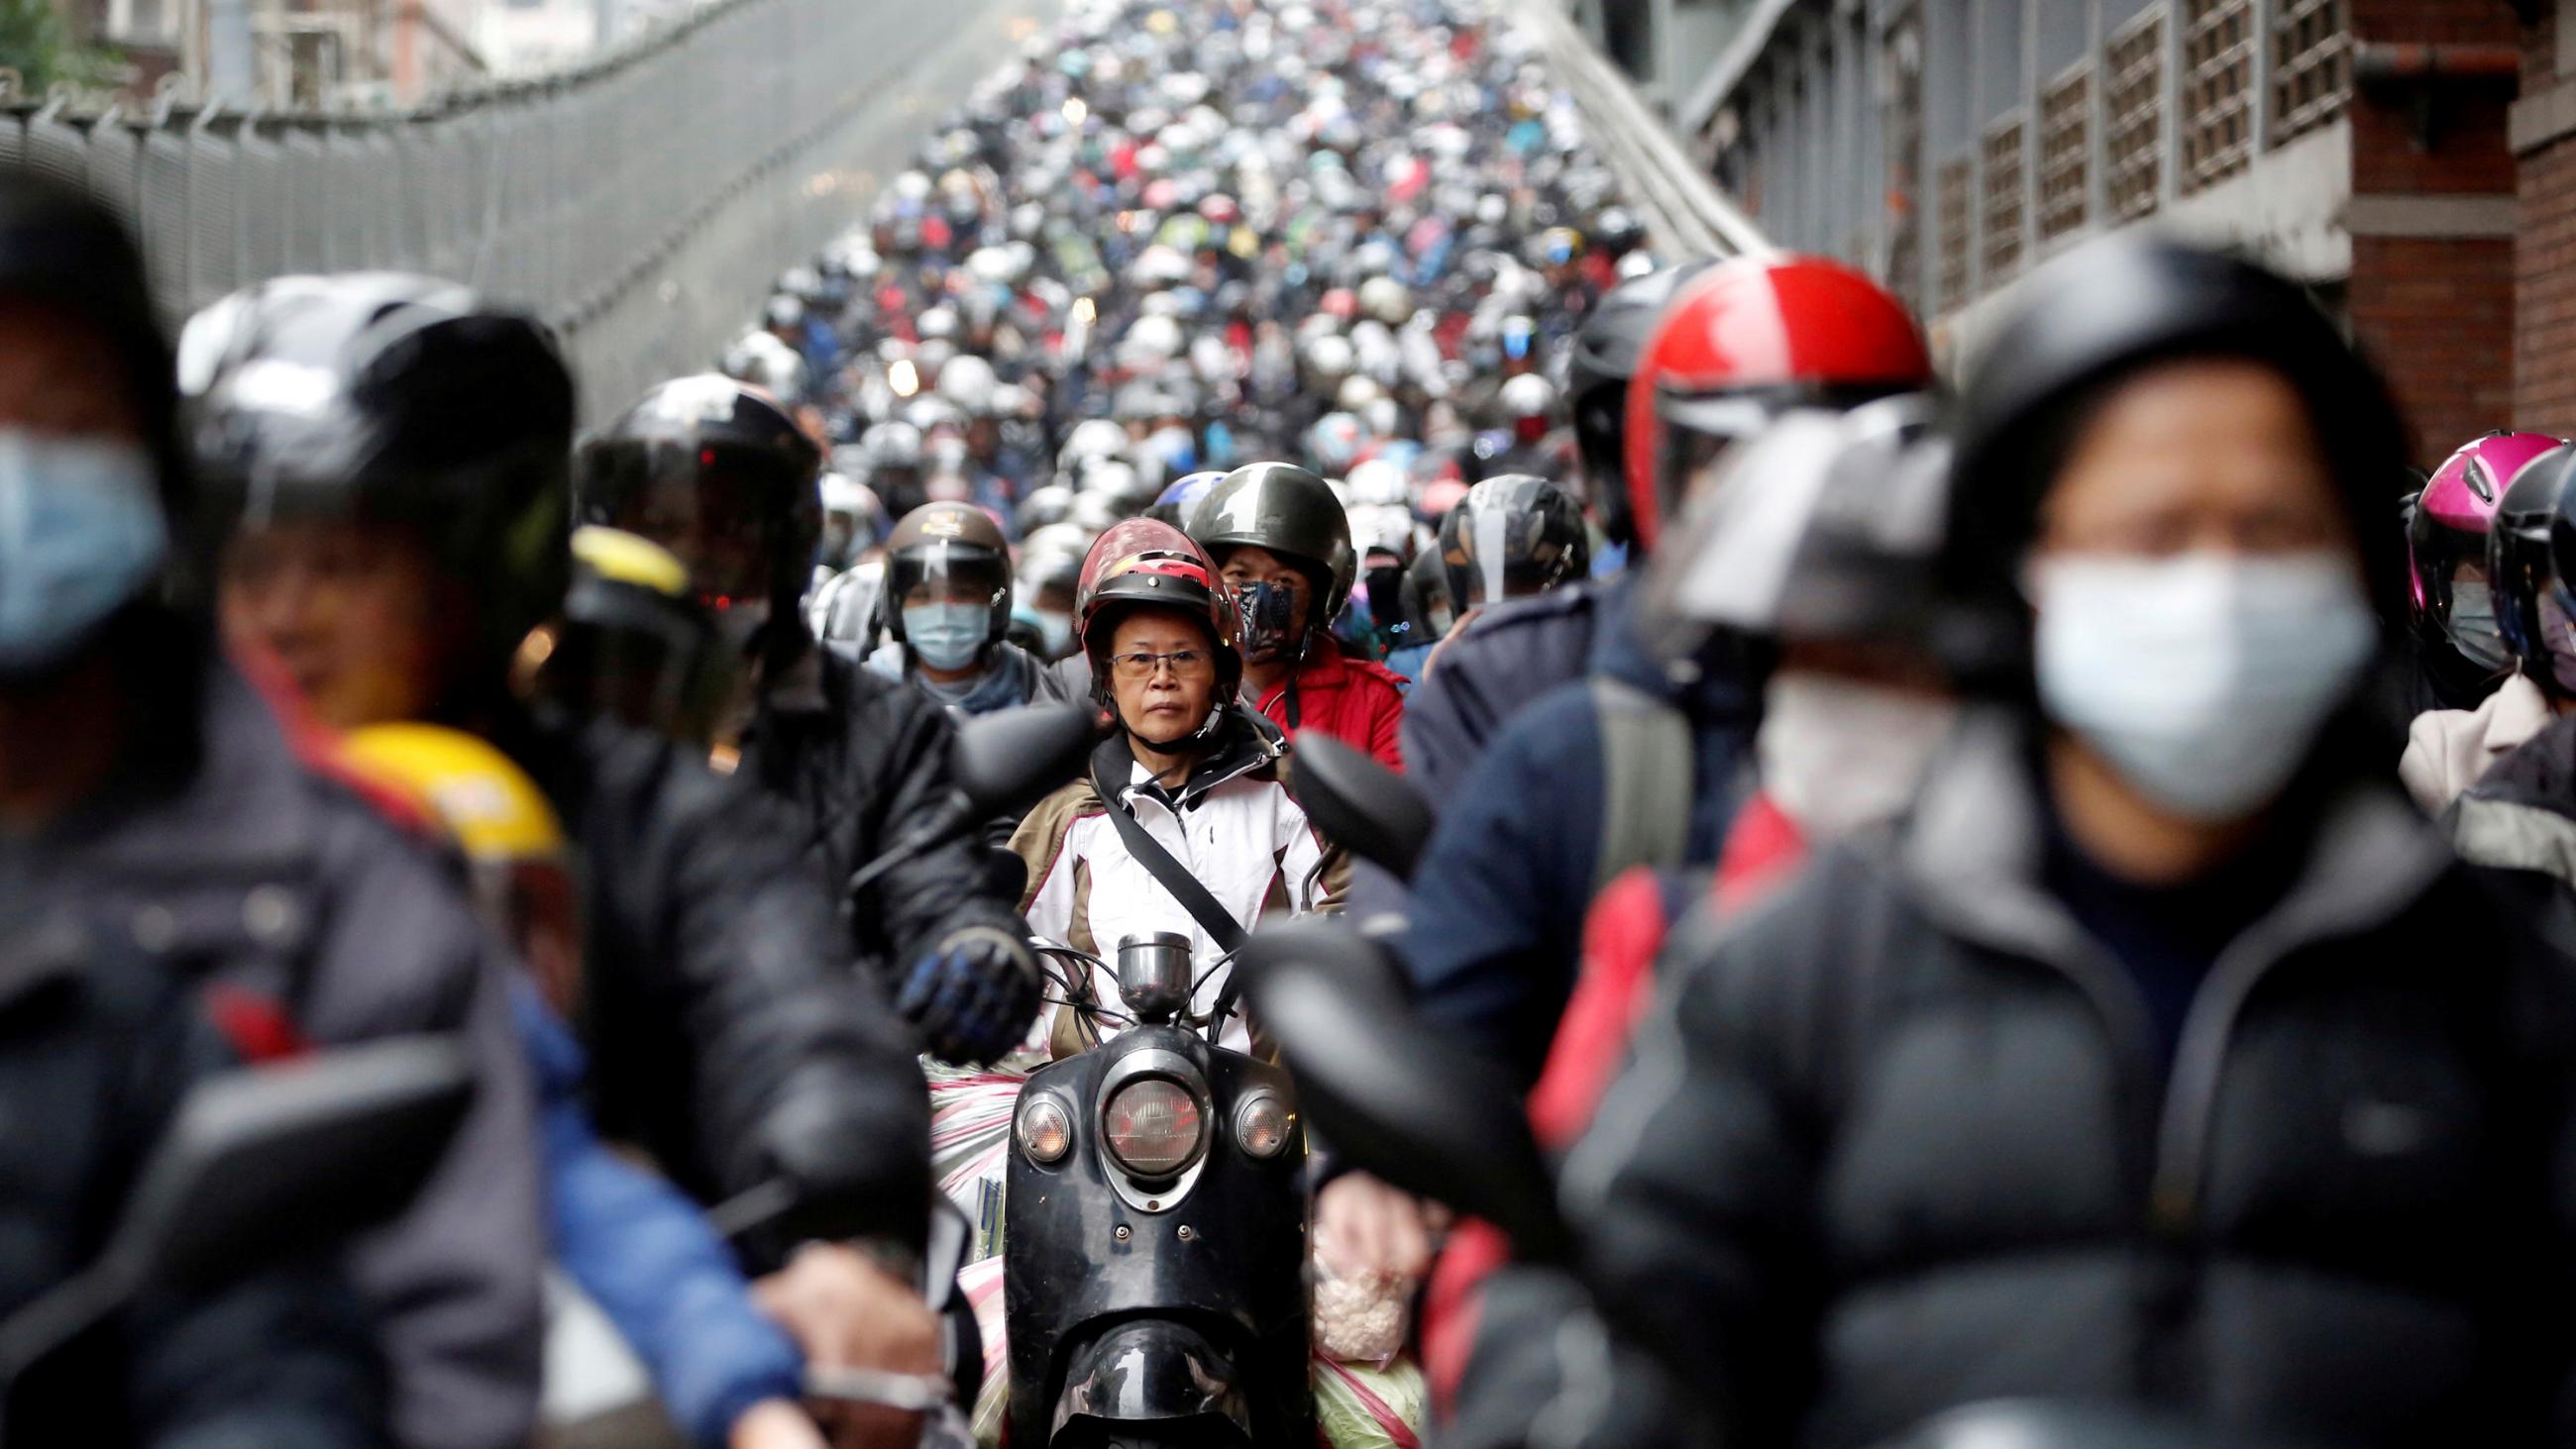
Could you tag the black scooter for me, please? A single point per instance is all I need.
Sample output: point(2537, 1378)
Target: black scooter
point(1155, 1233)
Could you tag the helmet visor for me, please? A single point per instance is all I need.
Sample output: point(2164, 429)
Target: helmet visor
point(724, 512)
point(944, 571)
point(1698, 438)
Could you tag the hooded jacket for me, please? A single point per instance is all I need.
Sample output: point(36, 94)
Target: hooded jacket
point(1356, 701)
point(1901, 1139)
point(1233, 825)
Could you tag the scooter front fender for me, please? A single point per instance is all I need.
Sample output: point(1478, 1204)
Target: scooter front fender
point(1150, 1369)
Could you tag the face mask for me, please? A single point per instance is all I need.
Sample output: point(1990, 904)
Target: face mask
point(2201, 679)
point(81, 533)
point(2472, 627)
point(1055, 631)
point(1839, 755)
point(1267, 609)
point(946, 636)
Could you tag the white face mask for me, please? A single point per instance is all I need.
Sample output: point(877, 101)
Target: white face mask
point(1839, 755)
point(2201, 679)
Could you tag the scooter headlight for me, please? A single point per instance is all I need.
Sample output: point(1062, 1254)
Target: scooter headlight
point(1261, 1126)
point(1045, 1128)
point(1152, 1126)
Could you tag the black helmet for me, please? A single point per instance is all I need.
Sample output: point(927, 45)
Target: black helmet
point(2530, 543)
point(1603, 358)
point(396, 399)
point(949, 544)
point(633, 642)
point(720, 475)
point(1512, 536)
point(1428, 609)
point(2089, 320)
point(1290, 512)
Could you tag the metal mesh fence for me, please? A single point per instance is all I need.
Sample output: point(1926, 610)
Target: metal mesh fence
point(641, 204)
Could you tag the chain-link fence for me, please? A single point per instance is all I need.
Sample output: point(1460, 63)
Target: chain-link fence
point(642, 204)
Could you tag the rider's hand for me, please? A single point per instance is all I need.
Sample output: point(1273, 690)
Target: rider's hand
point(974, 998)
point(1363, 1226)
point(844, 1311)
point(775, 1424)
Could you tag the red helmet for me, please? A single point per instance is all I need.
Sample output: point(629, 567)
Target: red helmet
point(1745, 340)
point(1146, 561)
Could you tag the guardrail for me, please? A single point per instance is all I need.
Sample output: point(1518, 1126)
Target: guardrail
point(1685, 213)
point(641, 203)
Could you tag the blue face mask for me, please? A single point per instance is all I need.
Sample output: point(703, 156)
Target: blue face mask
point(81, 533)
point(946, 636)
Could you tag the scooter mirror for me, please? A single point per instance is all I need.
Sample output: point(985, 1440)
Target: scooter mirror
point(1359, 804)
point(1009, 760)
point(1402, 1102)
point(259, 1163)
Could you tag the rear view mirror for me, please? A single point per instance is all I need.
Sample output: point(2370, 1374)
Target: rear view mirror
point(262, 1163)
point(1406, 1104)
point(1359, 804)
point(1009, 760)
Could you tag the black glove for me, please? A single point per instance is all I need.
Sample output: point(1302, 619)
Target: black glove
point(974, 998)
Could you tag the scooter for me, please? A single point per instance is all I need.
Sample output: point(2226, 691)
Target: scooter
point(1155, 1230)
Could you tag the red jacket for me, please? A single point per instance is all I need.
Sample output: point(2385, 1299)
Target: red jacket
point(1353, 700)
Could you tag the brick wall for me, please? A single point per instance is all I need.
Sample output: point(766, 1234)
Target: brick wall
point(2434, 311)
point(2545, 259)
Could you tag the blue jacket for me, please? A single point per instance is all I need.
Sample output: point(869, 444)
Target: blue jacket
point(645, 1255)
point(1496, 921)
point(1510, 655)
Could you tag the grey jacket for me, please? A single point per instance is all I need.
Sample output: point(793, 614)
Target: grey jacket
point(234, 860)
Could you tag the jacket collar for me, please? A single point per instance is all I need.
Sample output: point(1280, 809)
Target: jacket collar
point(1973, 849)
point(1246, 744)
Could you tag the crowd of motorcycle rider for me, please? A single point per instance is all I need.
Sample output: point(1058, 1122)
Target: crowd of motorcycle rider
point(2052, 889)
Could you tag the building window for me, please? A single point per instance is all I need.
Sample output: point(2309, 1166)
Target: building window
point(2065, 152)
point(2006, 172)
point(1952, 185)
point(2311, 65)
point(2133, 87)
point(2217, 90)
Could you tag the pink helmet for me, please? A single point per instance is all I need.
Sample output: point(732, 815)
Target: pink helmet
point(2448, 532)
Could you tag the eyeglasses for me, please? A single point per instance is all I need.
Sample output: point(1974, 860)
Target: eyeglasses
point(1186, 664)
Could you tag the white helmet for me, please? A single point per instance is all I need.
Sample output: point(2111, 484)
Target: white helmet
point(1377, 483)
point(968, 382)
point(1387, 300)
point(1528, 396)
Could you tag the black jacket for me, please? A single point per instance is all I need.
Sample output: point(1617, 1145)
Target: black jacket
point(863, 758)
point(1899, 1140)
point(231, 861)
point(98, 1040)
point(722, 1036)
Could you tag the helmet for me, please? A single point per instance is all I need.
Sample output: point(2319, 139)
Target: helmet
point(633, 642)
point(1091, 438)
point(968, 384)
point(1335, 440)
point(2534, 610)
point(853, 520)
point(1603, 358)
point(1511, 537)
point(1142, 562)
point(400, 399)
point(1527, 396)
point(1050, 504)
point(1825, 527)
point(723, 477)
point(953, 549)
point(1740, 342)
point(1428, 609)
point(1177, 501)
point(1379, 481)
point(2082, 323)
point(1387, 300)
point(1290, 512)
point(2448, 529)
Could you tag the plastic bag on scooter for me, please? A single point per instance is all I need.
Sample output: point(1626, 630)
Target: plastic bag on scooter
point(970, 1137)
point(1360, 1319)
point(1358, 1407)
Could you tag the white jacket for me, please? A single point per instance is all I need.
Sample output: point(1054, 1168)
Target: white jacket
point(1233, 826)
point(2447, 750)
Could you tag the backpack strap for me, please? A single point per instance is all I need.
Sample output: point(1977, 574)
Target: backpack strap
point(1647, 776)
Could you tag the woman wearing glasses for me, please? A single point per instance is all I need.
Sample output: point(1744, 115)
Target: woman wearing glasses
point(1199, 780)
